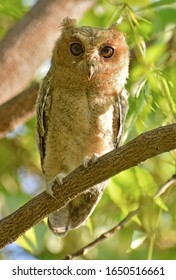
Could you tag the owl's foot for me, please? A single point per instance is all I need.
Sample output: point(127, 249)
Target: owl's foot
point(93, 159)
point(59, 178)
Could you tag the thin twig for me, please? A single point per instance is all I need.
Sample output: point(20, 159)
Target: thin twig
point(164, 188)
point(103, 236)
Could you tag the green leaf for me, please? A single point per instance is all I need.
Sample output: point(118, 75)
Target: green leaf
point(161, 3)
point(28, 241)
point(138, 239)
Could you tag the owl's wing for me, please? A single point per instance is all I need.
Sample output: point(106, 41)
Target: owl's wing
point(43, 108)
point(122, 104)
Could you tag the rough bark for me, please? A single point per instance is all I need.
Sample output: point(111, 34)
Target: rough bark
point(145, 146)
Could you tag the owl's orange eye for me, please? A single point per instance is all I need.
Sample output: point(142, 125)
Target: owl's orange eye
point(107, 52)
point(76, 49)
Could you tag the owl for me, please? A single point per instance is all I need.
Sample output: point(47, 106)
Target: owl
point(81, 109)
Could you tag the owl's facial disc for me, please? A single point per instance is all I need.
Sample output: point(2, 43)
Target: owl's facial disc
point(92, 58)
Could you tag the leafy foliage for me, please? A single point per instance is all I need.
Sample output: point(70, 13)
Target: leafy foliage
point(150, 30)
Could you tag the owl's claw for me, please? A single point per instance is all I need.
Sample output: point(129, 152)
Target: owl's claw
point(86, 160)
point(95, 157)
point(59, 178)
point(49, 189)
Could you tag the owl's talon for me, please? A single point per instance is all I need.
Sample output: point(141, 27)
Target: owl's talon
point(49, 189)
point(86, 160)
point(95, 157)
point(59, 179)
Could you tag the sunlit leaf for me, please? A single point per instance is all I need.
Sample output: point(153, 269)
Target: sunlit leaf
point(28, 241)
point(161, 204)
point(137, 239)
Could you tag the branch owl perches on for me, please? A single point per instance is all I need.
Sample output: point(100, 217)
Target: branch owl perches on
point(81, 109)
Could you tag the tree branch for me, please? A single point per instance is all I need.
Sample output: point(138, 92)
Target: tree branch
point(143, 147)
point(18, 110)
point(30, 42)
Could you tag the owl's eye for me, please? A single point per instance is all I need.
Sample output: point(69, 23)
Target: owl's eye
point(76, 49)
point(107, 52)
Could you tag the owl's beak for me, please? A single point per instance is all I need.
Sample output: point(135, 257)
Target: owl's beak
point(91, 70)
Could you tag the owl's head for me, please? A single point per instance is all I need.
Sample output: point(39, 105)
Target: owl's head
point(91, 52)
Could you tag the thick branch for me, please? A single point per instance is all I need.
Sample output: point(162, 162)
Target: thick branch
point(143, 147)
point(30, 42)
point(18, 110)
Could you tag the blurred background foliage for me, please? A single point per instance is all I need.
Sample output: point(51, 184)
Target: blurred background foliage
point(151, 34)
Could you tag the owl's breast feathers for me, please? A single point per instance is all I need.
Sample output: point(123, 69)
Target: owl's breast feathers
point(74, 124)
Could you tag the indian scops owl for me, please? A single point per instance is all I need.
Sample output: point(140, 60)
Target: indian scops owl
point(81, 109)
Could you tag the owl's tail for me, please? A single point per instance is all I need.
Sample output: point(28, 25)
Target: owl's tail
point(76, 212)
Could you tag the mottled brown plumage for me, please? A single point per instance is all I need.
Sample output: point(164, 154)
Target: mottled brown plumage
point(81, 109)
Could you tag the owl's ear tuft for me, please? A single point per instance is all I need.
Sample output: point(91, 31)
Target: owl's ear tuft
point(68, 23)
